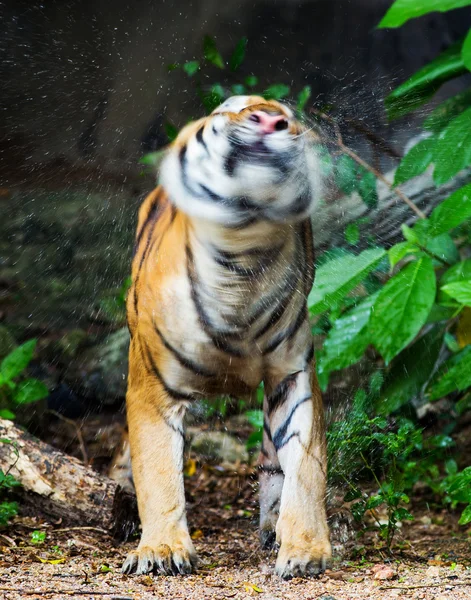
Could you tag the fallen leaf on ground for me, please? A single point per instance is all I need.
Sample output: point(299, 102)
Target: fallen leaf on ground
point(251, 587)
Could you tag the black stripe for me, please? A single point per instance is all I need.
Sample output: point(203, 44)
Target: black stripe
point(309, 354)
point(154, 217)
point(173, 393)
point(200, 139)
point(308, 249)
point(270, 470)
point(230, 164)
point(217, 337)
point(280, 434)
point(266, 429)
point(288, 333)
point(175, 429)
point(150, 216)
point(277, 313)
point(185, 362)
point(281, 392)
point(286, 440)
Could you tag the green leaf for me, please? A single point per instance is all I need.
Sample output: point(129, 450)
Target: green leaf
point(410, 371)
point(276, 91)
point(465, 516)
point(403, 10)
point(16, 362)
point(211, 53)
point(402, 307)
point(251, 80)
point(214, 97)
point(7, 414)
point(238, 55)
point(337, 277)
point(171, 131)
point(30, 390)
point(443, 247)
point(460, 291)
point(397, 252)
point(38, 537)
point(466, 51)
point(401, 514)
point(348, 338)
point(459, 272)
point(367, 190)
point(415, 161)
point(238, 89)
point(451, 212)
point(452, 150)
point(453, 375)
point(152, 159)
point(8, 510)
point(352, 234)
point(255, 418)
point(191, 67)
point(447, 110)
point(423, 84)
point(303, 97)
point(346, 171)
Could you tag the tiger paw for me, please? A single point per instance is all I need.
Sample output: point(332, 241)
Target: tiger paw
point(161, 559)
point(298, 561)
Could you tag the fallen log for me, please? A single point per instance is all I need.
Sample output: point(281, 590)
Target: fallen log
point(61, 487)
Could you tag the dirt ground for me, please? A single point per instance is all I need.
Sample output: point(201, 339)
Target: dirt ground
point(431, 559)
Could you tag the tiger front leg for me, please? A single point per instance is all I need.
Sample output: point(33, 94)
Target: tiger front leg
point(296, 420)
point(270, 476)
point(156, 438)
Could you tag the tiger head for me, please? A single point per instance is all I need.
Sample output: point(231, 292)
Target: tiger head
point(250, 160)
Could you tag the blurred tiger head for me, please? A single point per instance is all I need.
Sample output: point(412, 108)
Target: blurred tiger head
point(250, 160)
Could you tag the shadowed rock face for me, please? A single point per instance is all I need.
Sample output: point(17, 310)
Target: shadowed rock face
point(89, 80)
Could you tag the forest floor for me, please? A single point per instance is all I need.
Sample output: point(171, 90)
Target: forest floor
point(431, 557)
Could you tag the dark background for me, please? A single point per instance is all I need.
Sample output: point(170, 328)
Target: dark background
point(86, 90)
point(88, 79)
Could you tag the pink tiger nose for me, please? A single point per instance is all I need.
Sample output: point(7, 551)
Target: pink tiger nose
point(269, 123)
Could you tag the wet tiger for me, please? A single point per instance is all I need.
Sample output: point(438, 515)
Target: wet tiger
point(222, 269)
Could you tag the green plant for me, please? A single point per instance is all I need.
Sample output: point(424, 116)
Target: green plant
point(8, 509)
point(38, 537)
point(15, 389)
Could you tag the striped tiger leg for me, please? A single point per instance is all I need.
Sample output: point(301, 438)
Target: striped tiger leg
point(296, 420)
point(156, 436)
point(270, 476)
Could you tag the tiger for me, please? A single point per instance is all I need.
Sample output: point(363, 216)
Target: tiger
point(223, 265)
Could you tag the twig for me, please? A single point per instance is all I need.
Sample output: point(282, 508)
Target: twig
point(346, 150)
point(423, 585)
point(63, 593)
point(81, 529)
point(373, 138)
point(78, 431)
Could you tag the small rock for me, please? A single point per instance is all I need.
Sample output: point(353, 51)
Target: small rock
point(425, 520)
point(220, 446)
point(433, 572)
point(384, 573)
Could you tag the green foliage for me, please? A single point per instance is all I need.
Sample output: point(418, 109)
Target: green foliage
point(211, 53)
point(337, 277)
point(415, 162)
point(8, 509)
point(423, 84)
point(38, 537)
point(238, 55)
point(402, 307)
point(15, 389)
point(403, 10)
